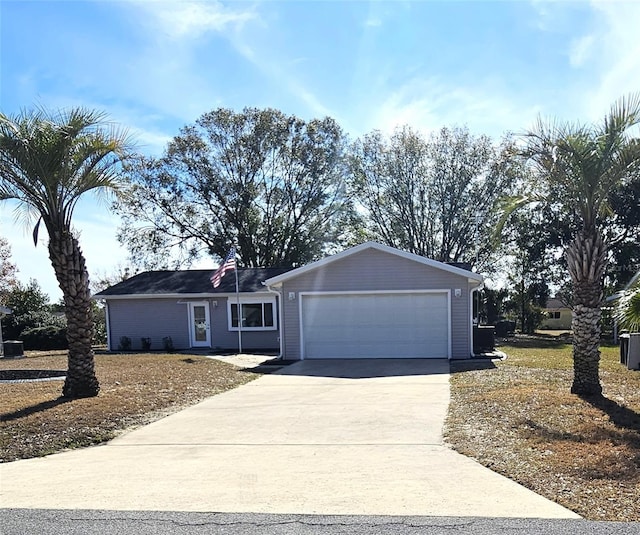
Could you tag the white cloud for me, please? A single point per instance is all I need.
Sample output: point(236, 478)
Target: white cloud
point(603, 48)
point(606, 56)
point(273, 68)
point(614, 55)
point(581, 50)
point(192, 19)
point(430, 104)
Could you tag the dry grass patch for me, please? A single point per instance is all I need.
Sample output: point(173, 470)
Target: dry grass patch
point(135, 389)
point(519, 419)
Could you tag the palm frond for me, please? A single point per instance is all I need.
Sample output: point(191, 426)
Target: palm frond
point(48, 160)
point(627, 311)
point(507, 206)
point(586, 162)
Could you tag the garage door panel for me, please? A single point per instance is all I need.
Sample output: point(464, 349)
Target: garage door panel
point(354, 350)
point(378, 334)
point(375, 325)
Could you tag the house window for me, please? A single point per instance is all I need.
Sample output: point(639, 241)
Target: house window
point(554, 315)
point(256, 316)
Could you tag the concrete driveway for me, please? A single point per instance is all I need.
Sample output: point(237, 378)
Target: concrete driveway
point(319, 437)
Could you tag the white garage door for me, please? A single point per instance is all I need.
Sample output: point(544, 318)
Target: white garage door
point(387, 325)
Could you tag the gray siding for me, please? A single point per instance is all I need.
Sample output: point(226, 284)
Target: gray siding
point(376, 270)
point(153, 318)
point(157, 318)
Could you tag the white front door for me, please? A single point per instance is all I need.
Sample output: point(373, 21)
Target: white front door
point(199, 326)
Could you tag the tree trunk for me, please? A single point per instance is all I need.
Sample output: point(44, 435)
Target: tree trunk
point(586, 258)
point(524, 331)
point(69, 265)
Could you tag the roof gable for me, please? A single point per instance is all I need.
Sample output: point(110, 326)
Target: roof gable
point(555, 303)
point(189, 282)
point(380, 247)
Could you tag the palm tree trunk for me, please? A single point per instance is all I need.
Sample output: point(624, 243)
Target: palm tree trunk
point(71, 272)
point(586, 258)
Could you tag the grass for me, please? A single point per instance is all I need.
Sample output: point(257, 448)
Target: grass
point(135, 389)
point(518, 418)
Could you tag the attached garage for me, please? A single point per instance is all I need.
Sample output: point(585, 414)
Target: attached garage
point(375, 325)
point(375, 301)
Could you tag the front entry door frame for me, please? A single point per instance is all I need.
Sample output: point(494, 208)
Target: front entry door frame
point(199, 324)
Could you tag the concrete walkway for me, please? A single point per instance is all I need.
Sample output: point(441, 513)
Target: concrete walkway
point(323, 437)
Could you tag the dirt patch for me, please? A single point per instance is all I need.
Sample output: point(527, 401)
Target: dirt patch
point(519, 419)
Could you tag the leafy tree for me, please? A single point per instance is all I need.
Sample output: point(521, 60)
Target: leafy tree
point(623, 228)
point(579, 166)
point(434, 197)
point(620, 225)
point(99, 324)
point(271, 183)
point(492, 304)
point(31, 309)
point(528, 257)
point(47, 162)
point(8, 270)
point(101, 280)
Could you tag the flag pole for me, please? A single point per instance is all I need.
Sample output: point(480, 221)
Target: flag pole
point(239, 308)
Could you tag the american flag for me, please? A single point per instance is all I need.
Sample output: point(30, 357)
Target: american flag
point(228, 264)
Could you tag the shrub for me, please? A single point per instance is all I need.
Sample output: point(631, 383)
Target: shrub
point(99, 324)
point(167, 343)
point(47, 337)
point(146, 343)
point(125, 344)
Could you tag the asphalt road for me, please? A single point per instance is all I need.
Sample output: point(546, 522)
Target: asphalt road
point(83, 522)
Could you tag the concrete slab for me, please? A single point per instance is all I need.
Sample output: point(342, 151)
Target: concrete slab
point(320, 437)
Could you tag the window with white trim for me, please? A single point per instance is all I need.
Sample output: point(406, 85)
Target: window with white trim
point(256, 315)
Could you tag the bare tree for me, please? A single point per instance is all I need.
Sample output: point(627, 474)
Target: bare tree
point(271, 183)
point(435, 197)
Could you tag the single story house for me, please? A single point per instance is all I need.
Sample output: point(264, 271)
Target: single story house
point(185, 307)
point(557, 315)
point(369, 301)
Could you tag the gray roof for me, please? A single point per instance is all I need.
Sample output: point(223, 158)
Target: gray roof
point(193, 281)
point(555, 303)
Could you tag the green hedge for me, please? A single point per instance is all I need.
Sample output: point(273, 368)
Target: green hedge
point(48, 337)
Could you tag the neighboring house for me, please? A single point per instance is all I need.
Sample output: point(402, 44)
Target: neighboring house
point(370, 301)
point(184, 306)
point(374, 301)
point(3, 311)
point(557, 315)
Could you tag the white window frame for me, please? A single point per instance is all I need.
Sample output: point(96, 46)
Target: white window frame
point(253, 301)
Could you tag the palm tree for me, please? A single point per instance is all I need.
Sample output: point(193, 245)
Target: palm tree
point(47, 162)
point(578, 168)
point(627, 311)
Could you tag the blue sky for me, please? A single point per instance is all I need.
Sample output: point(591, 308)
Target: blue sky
point(155, 66)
